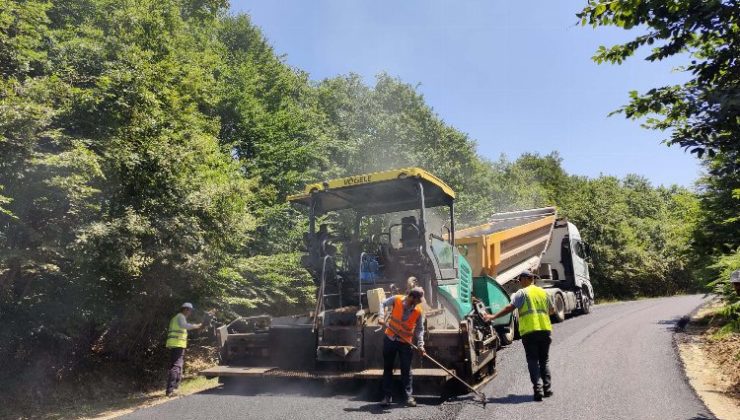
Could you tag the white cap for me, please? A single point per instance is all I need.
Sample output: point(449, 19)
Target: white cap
point(187, 305)
point(735, 277)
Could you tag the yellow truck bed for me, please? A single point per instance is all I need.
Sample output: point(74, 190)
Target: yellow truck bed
point(508, 243)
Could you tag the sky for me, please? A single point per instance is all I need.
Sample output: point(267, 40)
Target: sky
point(516, 76)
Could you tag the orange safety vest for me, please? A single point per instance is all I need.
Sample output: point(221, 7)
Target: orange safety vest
point(405, 329)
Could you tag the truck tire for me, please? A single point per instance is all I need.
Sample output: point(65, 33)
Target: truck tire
point(506, 338)
point(585, 304)
point(559, 315)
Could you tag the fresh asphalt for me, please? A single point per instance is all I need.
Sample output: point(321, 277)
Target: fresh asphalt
point(618, 362)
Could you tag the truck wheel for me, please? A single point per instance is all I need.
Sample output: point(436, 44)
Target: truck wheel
point(585, 304)
point(505, 337)
point(559, 315)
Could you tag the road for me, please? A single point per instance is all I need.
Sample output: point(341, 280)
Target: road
point(616, 363)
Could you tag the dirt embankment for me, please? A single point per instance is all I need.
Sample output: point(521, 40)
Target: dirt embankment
point(712, 361)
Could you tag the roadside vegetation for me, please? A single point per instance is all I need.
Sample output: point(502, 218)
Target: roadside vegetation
point(710, 353)
point(147, 149)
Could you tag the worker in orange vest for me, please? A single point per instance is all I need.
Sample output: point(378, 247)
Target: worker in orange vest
point(405, 323)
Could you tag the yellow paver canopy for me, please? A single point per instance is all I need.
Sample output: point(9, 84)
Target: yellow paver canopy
point(378, 192)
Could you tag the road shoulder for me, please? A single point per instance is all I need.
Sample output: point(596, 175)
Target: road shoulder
point(711, 362)
point(73, 402)
point(189, 386)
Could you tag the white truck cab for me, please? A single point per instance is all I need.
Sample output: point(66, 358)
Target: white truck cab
point(564, 270)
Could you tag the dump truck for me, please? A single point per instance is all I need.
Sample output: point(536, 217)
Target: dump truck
point(535, 240)
point(368, 237)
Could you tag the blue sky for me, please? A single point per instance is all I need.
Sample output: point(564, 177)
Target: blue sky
point(517, 76)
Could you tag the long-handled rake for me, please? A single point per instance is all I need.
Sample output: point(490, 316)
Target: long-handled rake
point(480, 395)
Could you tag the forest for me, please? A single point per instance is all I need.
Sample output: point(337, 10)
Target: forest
point(147, 149)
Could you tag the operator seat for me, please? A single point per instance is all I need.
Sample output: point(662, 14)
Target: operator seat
point(325, 241)
point(409, 233)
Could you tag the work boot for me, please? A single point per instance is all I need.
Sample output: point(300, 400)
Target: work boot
point(548, 393)
point(411, 402)
point(538, 396)
point(386, 401)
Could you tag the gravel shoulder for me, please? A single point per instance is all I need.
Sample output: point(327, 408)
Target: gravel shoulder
point(712, 363)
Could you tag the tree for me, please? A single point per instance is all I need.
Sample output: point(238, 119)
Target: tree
point(120, 201)
point(548, 172)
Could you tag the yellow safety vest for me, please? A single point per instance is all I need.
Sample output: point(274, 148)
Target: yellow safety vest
point(534, 315)
point(177, 337)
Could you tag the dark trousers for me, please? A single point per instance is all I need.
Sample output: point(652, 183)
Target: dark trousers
point(537, 349)
point(174, 375)
point(405, 353)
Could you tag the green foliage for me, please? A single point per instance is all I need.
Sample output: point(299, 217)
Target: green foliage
point(270, 123)
point(640, 235)
point(548, 172)
point(274, 284)
point(118, 200)
point(23, 28)
point(724, 267)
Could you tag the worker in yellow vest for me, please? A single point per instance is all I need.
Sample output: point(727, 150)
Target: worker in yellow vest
point(534, 327)
point(177, 341)
point(405, 323)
